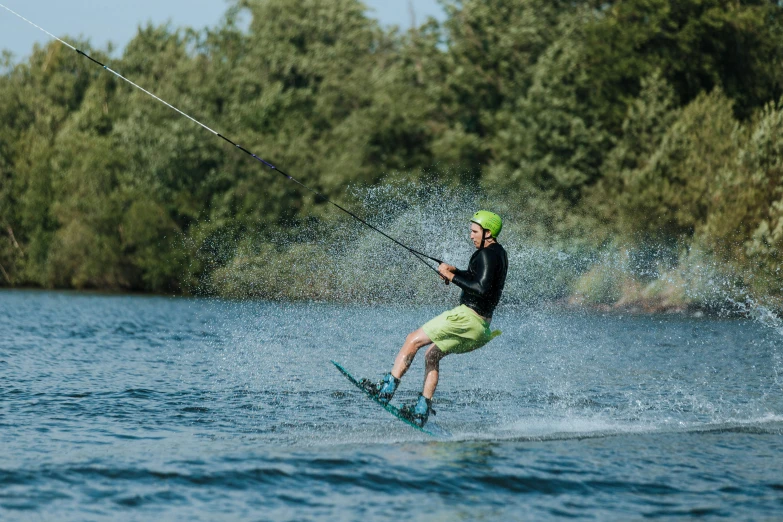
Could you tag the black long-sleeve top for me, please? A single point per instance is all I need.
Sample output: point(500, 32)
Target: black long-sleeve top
point(482, 283)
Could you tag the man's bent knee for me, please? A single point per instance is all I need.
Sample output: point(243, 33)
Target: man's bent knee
point(418, 338)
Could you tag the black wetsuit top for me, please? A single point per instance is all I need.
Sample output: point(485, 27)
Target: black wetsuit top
point(482, 283)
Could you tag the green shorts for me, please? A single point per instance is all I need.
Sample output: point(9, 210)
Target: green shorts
point(459, 330)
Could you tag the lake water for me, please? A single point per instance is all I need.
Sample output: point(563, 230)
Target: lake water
point(154, 408)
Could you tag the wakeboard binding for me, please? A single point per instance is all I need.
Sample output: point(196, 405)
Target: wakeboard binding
point(418, 413)
point(384, 390)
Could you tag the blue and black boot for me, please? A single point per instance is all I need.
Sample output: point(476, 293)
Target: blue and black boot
point(420, 412)
point(384, 390)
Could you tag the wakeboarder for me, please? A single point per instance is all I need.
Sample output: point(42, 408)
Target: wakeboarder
point(459, 330)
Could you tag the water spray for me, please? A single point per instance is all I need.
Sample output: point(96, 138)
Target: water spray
point(418, 255)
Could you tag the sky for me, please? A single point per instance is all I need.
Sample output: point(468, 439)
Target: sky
point(102, 21)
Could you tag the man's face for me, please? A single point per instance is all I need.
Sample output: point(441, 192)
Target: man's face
point(475, 234)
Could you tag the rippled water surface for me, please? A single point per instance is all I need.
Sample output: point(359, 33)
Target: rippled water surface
point(152, 408)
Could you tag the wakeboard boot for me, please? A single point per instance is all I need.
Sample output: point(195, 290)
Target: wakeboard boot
point(383, 390)
point(419, 412)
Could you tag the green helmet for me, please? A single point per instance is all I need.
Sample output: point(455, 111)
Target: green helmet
point(488, 221)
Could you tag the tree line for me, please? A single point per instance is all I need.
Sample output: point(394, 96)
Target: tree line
point(638, 125)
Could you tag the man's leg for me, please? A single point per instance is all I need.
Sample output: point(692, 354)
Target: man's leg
point(431, 368)
point(420, 412)
point(415, 341)
point(384, 390)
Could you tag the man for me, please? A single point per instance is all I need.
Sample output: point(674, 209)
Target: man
point(460, 330)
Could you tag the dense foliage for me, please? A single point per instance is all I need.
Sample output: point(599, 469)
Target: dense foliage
point(625, 126)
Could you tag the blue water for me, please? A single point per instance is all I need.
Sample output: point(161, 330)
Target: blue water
point(153, 408)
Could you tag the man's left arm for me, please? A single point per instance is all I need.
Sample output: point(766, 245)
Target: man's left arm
point(483, 276)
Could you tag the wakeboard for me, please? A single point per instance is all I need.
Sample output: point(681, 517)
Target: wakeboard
point(431, 429)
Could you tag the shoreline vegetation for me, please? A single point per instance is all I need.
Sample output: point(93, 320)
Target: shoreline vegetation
point(634, 149)
point(633, 303)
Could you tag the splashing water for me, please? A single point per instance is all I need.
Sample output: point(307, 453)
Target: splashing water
point(339, 260)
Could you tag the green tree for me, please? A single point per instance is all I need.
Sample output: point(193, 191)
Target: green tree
point(42, 95)
point(667, 196)
point(551, 140)
point(697, 44)
point(475, 68)
point(745, 226)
